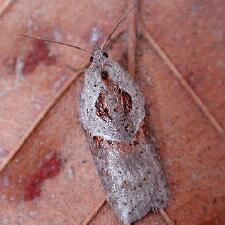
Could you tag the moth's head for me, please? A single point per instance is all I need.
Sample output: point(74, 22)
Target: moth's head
point(98, 56)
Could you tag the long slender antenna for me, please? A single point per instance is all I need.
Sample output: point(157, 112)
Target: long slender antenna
point(53, 41)
point(119, 22)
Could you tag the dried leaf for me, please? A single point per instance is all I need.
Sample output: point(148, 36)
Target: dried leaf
point(48, 175)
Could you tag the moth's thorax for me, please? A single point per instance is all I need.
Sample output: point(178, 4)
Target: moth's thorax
point(112, 106)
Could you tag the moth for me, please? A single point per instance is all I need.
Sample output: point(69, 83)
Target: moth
point(112, 113)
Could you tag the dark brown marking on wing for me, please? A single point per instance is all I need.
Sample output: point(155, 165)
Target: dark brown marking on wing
point(126, 101)
point(105, 77)
point(101, 110)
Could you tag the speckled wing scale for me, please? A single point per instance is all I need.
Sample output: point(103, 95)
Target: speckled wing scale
point(112, 113)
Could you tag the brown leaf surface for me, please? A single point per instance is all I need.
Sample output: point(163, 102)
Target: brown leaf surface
point(42, 146)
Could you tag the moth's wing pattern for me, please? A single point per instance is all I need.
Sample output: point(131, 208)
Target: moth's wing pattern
point(125, 158)
point(132, 177)
point(120, 83)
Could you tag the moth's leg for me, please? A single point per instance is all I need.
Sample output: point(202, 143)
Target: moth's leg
point(166, 217)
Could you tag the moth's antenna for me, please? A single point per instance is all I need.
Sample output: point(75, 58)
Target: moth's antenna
point(119, 22)
point(53, 41)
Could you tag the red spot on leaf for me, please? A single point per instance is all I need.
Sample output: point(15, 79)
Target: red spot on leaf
point(40, 53)
point(48, 169)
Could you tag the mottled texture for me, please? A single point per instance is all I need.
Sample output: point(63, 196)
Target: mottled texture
point(112, 113)
point(106, 110)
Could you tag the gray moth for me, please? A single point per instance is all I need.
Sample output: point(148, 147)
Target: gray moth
point(112, 112)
